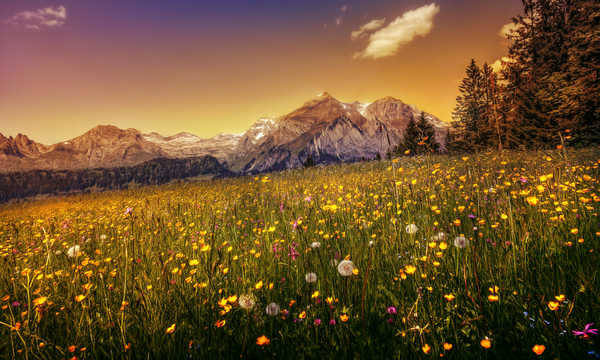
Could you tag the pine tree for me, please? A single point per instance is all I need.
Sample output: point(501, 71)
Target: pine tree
point(427, 142)
point(471, 125)
point(554, 52)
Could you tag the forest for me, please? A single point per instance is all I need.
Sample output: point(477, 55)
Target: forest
point(153, 172)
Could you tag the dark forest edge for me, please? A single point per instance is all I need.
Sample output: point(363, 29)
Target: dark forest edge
point(19, 185)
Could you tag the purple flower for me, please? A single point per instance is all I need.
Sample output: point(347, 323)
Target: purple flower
point(16, 304)
point(332, 322)
point(317, 322)
point(293, 253)
point(128, 211)
point(523, 180)
point(391, 310)
point(586, 331)
point(471, 216)
point(281, 206)
point(275, 248)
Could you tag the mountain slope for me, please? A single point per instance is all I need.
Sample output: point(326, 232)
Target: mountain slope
point(328, 130)
point(323, 128)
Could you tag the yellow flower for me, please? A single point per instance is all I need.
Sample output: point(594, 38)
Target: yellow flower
point(553, 305)
point(493, 298)
point(302, 315)
point(574, 231)
point(258, 285)
point(532, 200)
point(456, 222)
point(539, 349)
point(170, 329)
point(410, 269)
point(40, 301)
point(449, 297)
point(426, 348)
point(315, 295)
point(486, 343)
point(79, 298)
point(194, 262)
point(344, 317)
point(447, 346)
point(504, 216)
point(263, 341)
point(220, 323)
point(560, 298)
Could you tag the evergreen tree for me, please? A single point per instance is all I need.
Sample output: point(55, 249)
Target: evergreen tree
point(553, 74)
point(309, 162)
point(427, 143)
point(471, 125)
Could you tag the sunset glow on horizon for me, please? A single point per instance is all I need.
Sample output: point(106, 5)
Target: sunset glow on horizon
point(67, 66)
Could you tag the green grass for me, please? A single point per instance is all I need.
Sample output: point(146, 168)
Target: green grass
point(185, 247)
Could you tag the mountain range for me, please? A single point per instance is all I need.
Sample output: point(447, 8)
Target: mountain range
point(323, 128)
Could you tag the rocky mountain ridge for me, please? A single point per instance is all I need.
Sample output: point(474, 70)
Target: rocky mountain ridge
point(323, 128)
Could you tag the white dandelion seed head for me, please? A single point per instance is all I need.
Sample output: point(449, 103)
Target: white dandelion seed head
point(441, 236)
point(74, 251)
point(272, 309)
point(311, 277)
point(345, 267)
point(411, 229)
point(247, 301)
point(461, 242)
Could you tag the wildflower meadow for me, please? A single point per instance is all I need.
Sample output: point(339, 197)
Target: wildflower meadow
point(481, 256)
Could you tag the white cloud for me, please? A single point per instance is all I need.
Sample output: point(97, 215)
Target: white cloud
point(404, 29)
point(368, 27)
point(41, 18)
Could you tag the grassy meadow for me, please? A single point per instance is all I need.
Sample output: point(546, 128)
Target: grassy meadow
point(482, 256)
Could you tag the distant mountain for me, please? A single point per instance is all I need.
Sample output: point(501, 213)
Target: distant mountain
point(329, 131)
point(102, 146)
point(186, 144)
point(324, 128)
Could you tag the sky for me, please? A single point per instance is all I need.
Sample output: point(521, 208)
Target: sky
point(216, 67)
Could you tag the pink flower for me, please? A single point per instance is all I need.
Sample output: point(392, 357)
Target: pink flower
point(391, 310)
point(586, 331)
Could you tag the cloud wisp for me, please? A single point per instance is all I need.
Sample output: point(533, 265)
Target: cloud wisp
point(405, 28)
point(48, 17)
point(367, 28)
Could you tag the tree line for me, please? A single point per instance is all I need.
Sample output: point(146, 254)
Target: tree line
point(153, 172)
point(546, 93)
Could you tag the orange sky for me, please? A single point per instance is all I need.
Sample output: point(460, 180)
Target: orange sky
point(172, 71)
